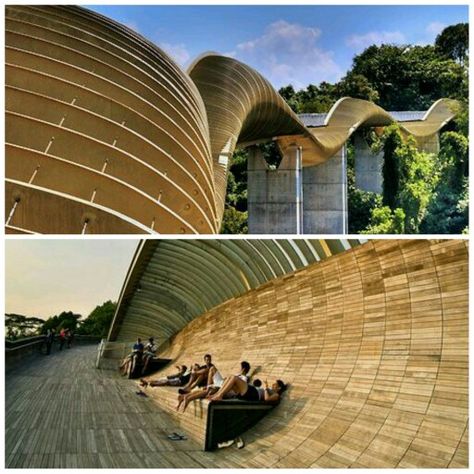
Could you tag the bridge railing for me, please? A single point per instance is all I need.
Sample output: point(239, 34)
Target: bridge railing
point(16, 351)
point(110, 353)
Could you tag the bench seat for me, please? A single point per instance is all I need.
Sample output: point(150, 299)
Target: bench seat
point(210, 423)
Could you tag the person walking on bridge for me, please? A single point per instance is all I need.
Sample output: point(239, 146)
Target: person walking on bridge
point(49, 339)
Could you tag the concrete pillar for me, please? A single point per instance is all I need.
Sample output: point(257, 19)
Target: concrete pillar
point(368, 166)
point(429, 144)
point(325, 196)
point(274, 203)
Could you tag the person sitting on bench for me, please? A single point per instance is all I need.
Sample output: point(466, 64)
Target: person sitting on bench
point(199, 377)
point(137, 351)
point(248, 392)
point(149, 353)
point(175, 380)
point(214, 383)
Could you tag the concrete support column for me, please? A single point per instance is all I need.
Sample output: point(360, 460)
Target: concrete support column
point(325, 196)
point(429, 144)
point(274, 195)
point(368, 166)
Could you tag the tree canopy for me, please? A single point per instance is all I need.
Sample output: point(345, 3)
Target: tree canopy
point(99, 320)
point(422, 193)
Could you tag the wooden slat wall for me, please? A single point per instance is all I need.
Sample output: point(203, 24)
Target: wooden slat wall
point(374, 343)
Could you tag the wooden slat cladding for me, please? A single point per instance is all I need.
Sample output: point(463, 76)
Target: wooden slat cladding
point(108, 122)
point(374, 344)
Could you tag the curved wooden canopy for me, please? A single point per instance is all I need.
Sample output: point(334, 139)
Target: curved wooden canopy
point(373, 342)
point(99, 116)
point(171, 282)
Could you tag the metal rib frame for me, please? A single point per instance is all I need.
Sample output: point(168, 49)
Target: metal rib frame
point(172, 282)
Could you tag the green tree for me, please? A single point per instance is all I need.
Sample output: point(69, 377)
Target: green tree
point(453, 42)
point(418, 179)
point(18, 326)
point(99, 320)
point(391, 140)
point(448, 210)
point(356, 86)
point(385, 221)
point(288, 93)
point(316, 99)
point(234, 221)
point(409, 77)
point(66, 319)
point(453, 159)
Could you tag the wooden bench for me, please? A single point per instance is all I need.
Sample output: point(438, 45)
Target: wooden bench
point(210, 423)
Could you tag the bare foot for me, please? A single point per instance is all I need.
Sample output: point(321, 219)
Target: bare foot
point(180, 400)
point(215, 398)
point(143, 383)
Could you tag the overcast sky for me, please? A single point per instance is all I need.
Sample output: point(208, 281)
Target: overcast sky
point(45, 277)
point(287, 44)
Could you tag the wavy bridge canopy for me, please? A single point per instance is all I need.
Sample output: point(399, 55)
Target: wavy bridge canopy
point(106, 134)
point(171, 282)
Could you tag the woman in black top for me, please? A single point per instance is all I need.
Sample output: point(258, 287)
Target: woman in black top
point(246, 391)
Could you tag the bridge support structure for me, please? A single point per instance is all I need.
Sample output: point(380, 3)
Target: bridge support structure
point(295, 200)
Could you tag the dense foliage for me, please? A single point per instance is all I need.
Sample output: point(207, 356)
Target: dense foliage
point(99, 321)
point(64, 320)
point(96, 324)
point(422, 192)
point(18, 326)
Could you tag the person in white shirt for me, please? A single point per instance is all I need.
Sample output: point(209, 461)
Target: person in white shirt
point(215, 382)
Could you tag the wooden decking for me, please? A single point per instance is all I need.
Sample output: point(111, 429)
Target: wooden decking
point(63, 412)
point(374, 345)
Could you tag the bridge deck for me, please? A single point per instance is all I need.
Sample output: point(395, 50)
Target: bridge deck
point(62, 412)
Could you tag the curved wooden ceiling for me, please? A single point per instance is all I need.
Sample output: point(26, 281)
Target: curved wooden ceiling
point(374, 345)
point(171, 282)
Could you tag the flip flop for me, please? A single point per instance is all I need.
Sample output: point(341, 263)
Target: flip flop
point(226, 444)
point(142, 394)
point(177, 437)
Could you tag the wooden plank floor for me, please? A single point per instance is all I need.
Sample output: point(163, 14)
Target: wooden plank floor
point(373, 342)
point(63, 412)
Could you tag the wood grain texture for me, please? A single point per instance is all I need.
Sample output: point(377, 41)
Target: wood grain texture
point(374, 344)
point(172, 281)
point(91, 100)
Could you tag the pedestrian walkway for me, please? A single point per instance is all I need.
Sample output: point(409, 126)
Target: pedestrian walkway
point(63, 412)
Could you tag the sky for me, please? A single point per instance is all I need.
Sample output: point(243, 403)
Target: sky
point(295, 45)
point(44, 277)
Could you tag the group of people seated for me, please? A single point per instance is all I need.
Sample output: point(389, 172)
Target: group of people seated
point(205, 381)
point(141, 354)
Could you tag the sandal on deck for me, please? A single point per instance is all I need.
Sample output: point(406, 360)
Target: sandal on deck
point(177, 437)
point(226, 444)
